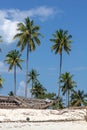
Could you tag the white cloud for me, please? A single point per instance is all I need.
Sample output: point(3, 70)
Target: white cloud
point(9, 29)
point(10, 18)
point(21, 89)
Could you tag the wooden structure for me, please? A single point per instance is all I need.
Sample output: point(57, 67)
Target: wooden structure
point(20, 102)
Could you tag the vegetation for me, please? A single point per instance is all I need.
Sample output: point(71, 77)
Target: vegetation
point(28, 37)
point(1, 81)
point(11, 93)
point(67, 85)
point(0, 38)
point(61, 42)
point(33, 77)
point(0, 41)
point(38, 91)
point(13, 59)
point(59, 103)
point(78, 98)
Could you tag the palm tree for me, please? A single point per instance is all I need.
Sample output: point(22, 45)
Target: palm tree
point(60, 101)
point(0, 38)
point(61, 42)
point(0, 41)
point(67, 85)
point(1, 81)
point(13, 59)
point(78, 98)
point(33, 77)
point(38, 91)
point(11, 93)
point(28, 37)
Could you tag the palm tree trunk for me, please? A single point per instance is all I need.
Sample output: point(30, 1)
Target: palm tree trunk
point(27, 71)
point(15, 80)
point(32, 88)
point(59, 78)
point(68, 98)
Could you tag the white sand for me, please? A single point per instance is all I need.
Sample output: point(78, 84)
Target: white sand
point(12, 119)
point(81, 125)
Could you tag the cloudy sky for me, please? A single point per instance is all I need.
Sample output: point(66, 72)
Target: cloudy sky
point(50, 15)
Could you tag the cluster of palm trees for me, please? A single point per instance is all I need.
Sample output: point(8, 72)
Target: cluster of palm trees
point(28, 38)
point(68, 89)
point(1, 79)
point(37, 89)
point(62, 42)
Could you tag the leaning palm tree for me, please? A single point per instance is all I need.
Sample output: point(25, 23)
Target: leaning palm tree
point(67, 85)
point(78, 98)
point(28, 37)
point(13, 59)
point(61, 41)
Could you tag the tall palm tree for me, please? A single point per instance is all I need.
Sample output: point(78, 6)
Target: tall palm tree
point(33, 77)
point(62, 42)
point(13, 59)
point(78, 98)
point(67, 85)
point(28, 37)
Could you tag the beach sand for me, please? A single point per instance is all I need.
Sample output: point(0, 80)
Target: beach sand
point(66, 119)
point(77, 125)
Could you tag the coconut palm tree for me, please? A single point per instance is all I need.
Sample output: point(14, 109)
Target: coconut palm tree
point(11, 93)
point(0, 41)
point(62, 42)
point(13, 59)
point(0, 38)
point(1, 81)
point(61, 103)
point(38, 91)
point(28, 38)
point(78, 98)
point(67, 85)
point(33, 77)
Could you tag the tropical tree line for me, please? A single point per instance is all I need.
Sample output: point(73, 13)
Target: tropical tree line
point(70, 95)
point(28, 37)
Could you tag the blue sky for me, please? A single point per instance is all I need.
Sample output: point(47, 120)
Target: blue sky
point(50, 15)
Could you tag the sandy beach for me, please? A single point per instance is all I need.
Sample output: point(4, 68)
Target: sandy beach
point(45, 126)
point(66, 119)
